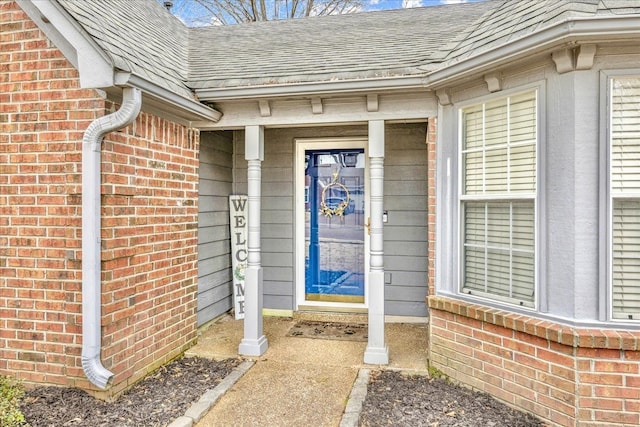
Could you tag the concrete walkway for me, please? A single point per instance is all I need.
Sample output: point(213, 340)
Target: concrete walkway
point(299, 381)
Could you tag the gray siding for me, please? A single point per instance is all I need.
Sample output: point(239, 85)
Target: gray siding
point(406, 195)
point(405, 233)
point(572, 266)
point(214, 259)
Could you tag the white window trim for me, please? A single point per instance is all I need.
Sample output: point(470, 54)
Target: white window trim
point(605, 304)
point(540, 301)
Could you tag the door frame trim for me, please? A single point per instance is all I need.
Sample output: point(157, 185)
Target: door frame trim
point(301, 145)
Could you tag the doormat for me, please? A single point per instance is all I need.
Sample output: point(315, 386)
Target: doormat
point(329, 331)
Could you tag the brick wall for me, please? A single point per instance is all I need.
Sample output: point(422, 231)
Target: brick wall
point(567, 376)
point(149, 222)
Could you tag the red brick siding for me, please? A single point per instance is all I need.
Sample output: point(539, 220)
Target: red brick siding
point(149, 244)
point(149, 220)
point(567, 376)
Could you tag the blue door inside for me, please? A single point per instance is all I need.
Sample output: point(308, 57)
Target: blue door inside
point(334, 225)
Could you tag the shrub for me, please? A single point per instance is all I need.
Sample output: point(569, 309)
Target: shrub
point(10, 394)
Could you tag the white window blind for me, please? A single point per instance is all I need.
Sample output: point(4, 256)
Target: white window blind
point(498, 197)
point(625, 196)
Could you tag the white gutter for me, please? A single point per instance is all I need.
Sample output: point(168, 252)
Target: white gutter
point(311, 88)
point(565, 32)
point(568, 31)
point(179, 103)
point(91, 211)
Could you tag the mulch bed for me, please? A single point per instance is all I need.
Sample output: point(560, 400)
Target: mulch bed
point(393, 399)
point(329, 330)
point(396, 399)
point(157, 400)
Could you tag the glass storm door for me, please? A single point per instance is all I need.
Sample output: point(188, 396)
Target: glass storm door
point(334, 225)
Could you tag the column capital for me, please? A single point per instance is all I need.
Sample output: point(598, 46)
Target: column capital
point(376, 138)
point(254, 142)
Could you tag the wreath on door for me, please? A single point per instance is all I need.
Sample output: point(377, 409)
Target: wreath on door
point(340, 209)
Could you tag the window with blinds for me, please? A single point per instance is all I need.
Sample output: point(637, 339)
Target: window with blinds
point(624, 181)
point(498, 199)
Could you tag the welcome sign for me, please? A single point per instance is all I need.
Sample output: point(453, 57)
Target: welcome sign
point(238, 224)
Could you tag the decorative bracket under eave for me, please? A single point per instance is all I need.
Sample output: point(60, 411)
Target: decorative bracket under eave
point(586, 56)
point(494, 81)
point(444, 96)
point(265, 108)
point(372, 103)
point(570, 59)
point(316, 105)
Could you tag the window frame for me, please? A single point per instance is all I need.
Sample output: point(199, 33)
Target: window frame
point(606, 308)
point(539, 302)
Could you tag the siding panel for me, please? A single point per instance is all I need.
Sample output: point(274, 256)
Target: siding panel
point(406, 202)
point(405, 233)
point(214, 250)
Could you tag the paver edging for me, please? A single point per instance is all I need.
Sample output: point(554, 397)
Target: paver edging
point(199, 409)
point(351, 415)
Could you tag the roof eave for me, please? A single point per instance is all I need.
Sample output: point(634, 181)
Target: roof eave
point(311, 88)
point(169, 102)
point(96, 68)
point(566, 32)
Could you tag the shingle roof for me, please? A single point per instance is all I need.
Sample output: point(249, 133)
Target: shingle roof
point(139, 36)
point(143, 38)
point(516, 19)
point(362, 45)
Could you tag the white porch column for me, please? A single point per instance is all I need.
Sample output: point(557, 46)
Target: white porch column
point(254, 342)
point(376, 352)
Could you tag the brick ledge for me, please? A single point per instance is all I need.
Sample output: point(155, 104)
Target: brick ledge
point(617, 339)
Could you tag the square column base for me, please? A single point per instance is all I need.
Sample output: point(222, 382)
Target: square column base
point(376, 355)
point(254, 342)
point(253, 347)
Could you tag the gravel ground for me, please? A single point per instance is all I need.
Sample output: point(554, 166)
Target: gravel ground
point(157, 400)
point(393, 399)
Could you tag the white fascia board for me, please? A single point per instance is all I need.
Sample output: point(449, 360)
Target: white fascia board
point(96, 70)
point(197, 110)
point(407, 106)
point(311, 88)
point(566, 32)
point(93, 64)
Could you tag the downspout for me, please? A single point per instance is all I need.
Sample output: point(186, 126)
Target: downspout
point(91, 245)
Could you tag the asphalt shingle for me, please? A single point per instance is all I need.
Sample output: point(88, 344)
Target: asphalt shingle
point(143, 38)
point(372, 44)
point(513, 20)
point(140, 37)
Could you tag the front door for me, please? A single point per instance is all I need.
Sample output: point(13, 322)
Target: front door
point(332, 254)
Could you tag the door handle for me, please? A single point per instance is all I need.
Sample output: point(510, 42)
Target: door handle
point(368, 226)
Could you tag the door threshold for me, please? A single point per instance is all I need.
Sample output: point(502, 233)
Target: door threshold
point(331, 314)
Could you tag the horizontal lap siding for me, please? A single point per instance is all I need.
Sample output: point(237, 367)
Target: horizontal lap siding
point(278, 183)
point(405, 233)
point(214, 252)
point(405, 199)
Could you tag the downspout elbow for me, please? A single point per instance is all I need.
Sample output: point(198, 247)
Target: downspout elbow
point(91, 211)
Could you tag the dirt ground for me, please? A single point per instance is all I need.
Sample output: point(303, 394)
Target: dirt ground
point(393, 399)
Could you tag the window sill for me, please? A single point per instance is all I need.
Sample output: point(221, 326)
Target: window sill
point(615, 339)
